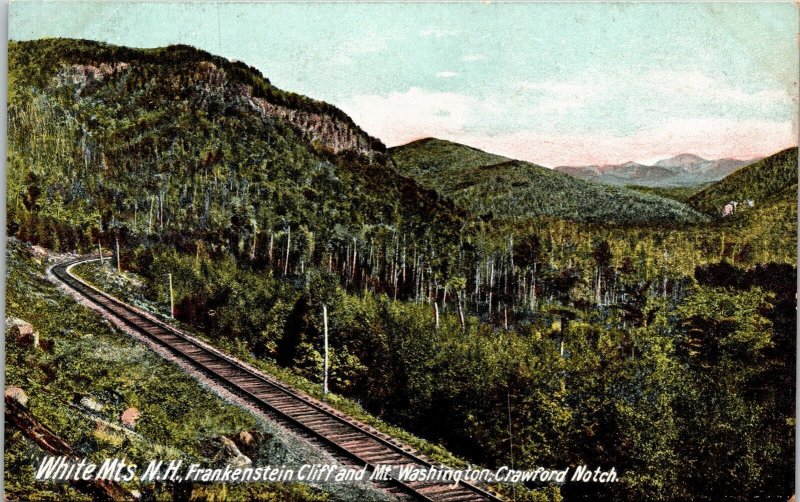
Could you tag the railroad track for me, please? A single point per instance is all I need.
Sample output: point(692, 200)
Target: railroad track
point(341, 434)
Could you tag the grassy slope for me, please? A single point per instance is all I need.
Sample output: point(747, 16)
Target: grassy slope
point(89, 358)
point(490, 184)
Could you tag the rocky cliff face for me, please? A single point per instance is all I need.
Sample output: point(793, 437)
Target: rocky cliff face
point(82, 74)
point(320, 129)
point(325, 131)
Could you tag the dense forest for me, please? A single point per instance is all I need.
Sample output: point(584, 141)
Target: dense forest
point(513, 314)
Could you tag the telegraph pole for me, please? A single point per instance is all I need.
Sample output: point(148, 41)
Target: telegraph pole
point(119, 265)
point(325, 357)
point(171, 299)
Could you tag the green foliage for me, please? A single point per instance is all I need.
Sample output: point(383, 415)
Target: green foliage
point(625, 386)
point(734, 421)
point(680, 193)
point(491, 185)
point(88, 358)
point(764, 182)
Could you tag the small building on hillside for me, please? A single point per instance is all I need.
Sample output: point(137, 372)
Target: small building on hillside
point(728, 209)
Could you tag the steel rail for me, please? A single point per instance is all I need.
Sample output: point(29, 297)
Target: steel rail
point(134, 318)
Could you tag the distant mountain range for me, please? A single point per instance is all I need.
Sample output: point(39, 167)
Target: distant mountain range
point(682, 170)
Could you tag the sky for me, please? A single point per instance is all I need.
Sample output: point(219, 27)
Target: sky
point(551, 83)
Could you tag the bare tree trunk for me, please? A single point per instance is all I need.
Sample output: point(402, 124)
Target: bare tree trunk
point(404, 264)
point(491, 287)
point(288, 247)
point(119, 264)
point(461, 308)
point(255, 240)
point(355, 254)
point(150, 218)
point(393, 278)
point(271, 242)
point(325, 350)
point(598, 299)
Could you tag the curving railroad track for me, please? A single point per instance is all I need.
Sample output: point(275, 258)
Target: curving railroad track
point(343, 436)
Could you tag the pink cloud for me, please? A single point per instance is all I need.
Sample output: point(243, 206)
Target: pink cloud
point(709, 138)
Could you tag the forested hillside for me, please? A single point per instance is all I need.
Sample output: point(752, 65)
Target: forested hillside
point(766, 182)
point(681, 194)
point(175, 145)
point(489, 184)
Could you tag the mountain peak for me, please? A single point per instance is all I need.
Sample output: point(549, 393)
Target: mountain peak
point(680, 160)
point(431, 141)
point(422, 141)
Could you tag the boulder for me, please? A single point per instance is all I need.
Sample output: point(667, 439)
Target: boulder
point(19, 327)
point(21, 332)
point(249, 441)
point(90, 404)
point(38, 252)
point(244, 438)
point(230, 454)
point(129, 417)
point(16, 394)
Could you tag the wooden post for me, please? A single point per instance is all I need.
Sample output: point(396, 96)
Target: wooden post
point(119, 265)
point(171, 298)
point(325, 356)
